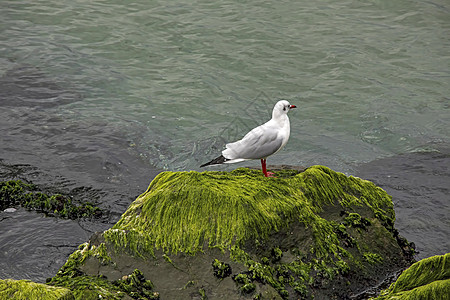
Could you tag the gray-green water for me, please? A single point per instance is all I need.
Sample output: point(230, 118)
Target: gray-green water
point(107, 93)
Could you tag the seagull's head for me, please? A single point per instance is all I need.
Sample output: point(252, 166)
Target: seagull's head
point(282, 107)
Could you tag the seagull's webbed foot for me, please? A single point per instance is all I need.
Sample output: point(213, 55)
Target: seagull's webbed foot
point(265, 172)
point(269, 174)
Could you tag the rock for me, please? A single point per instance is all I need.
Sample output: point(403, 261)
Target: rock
point(10, 210)
point(426, 279)
point(25, 289)
point(311, 234)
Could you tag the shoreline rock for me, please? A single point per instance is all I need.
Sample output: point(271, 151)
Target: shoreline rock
point(316, 233)
point(26, 289)
point(428, 278)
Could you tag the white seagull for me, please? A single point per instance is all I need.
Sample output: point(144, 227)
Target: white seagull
point(260, 142)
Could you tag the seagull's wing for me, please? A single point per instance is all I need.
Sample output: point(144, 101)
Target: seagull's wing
point(261, 142)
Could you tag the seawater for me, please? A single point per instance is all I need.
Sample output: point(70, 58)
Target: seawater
point(106, 94)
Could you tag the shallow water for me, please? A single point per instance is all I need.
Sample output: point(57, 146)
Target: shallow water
point(419, 186)
point(42, 246)
point(103, 95)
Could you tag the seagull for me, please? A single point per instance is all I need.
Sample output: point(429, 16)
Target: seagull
point(260, 142)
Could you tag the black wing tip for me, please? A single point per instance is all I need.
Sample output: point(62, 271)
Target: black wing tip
point(216, 161)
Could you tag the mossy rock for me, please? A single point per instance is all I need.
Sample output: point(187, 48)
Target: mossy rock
point(25, 290)
point(181, 211)
point(426, 279)
point(86, 285)
point(316, 233)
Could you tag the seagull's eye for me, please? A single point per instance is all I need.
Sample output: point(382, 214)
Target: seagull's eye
point(284, 108)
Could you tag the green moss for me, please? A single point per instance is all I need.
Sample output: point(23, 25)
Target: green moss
point(12, 193)
point(168, 259)
point(18, 193)
point(356, 221)
point(241, 278)
point(83, 286)
point(189, 284)
point(245, 283)
point(101, 253)
point(221, 269)
point(299, 288)
point(239, 255)
point(95, 287)
point(277, 254)
point(343, 235)
point(373, 258)
point(183, 211)
point(426, 279)
point(248, 288)
point(424, 272)
point(136, 286)
point(89, 287)
point(25, 289)
point(202, 293)
point(435, 290)
point(280, 275)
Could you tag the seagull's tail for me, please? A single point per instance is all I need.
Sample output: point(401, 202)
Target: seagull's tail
point(216, 161)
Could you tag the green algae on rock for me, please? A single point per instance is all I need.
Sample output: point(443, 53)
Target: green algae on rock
point(84, 286)
point(426, 279)
point(221, 269)
point(25, 289)
point(136, 286)
point(183, 210)
point(318, 233)
point(18, 193)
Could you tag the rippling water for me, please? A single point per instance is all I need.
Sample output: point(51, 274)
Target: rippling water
point(105, 94)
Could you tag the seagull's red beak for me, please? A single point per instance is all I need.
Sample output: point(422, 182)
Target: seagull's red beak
point(292, 106)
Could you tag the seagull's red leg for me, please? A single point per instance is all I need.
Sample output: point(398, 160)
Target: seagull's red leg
point(264, 169)
point(263, 165)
